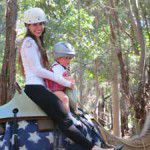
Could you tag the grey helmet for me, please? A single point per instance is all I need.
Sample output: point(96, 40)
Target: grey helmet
point(62, 49)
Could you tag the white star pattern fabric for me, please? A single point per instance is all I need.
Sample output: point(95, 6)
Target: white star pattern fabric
point(50, 137)
point(1, 143)
point(7, 125)
point(30, 138)
point(22, 124)
point(23, 147)
point(89, 137)
point(12, 140)
point(6, 148)
point(34, 137)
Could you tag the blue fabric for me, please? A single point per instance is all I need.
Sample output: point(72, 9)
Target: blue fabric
point(29, 138)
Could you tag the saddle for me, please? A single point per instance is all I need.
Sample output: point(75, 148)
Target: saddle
point(21, 107)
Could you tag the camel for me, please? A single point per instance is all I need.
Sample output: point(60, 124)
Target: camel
point(25, 107)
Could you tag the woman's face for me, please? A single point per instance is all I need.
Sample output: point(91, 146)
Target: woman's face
point(36, 29)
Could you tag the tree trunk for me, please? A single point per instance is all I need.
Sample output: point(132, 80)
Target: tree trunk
point(141, 41)
point(97, 90)
point(140, 102)
point(7, 76)
point(145, 16)
point(115, 97)
point(80, 58)
point(115, 39)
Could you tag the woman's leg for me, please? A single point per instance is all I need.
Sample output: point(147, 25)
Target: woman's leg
point(53, 107)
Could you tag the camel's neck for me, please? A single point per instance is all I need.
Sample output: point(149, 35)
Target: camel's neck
point(146, 128)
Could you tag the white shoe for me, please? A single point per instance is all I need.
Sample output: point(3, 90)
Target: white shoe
point(99, 148)
point(96, 148)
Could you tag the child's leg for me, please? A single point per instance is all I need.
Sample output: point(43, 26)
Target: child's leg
point(64, 98)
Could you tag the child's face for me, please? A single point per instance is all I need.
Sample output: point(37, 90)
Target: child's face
point(65, 61)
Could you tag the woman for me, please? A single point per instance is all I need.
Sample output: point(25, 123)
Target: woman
point(35, 62)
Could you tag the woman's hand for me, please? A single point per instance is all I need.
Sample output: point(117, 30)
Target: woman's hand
point(71, 79)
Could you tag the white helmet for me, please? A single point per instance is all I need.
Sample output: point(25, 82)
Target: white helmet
point(34, 15)
point(62, 49)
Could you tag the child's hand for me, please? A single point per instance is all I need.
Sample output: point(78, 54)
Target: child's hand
point(72, 86)
point(71, 79)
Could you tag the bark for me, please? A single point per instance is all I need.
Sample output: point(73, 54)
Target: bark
point(81, 83)
point(102, 109)
point(115, 98)
point(98, 109)
point(7, 76)
point(124, 117)
point(139, 98)
point(115, 33)
point(141, 41)
point(80, 58)
point(133, 41)
point(135, 22)
point(148, 72)
point(146, 20)
point(115, 30)
point(97, 89)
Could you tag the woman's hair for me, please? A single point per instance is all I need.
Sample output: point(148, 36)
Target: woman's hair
point(40, 44)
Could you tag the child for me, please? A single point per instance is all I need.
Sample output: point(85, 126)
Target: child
point(63, 53)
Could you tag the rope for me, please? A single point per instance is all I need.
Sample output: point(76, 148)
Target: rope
point(143, 144)
point(15, 128)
